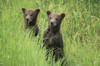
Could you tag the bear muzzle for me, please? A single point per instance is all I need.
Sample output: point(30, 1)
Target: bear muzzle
point(52, 24)
point(27, 19)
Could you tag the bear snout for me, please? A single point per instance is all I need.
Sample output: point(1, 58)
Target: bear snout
point(51, 23)
point(27, 19)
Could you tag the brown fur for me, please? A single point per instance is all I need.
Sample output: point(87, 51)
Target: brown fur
point(30, 19)
point(53, 36)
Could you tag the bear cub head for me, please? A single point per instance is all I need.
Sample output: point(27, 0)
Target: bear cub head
point(54, 19)
point(30, 15)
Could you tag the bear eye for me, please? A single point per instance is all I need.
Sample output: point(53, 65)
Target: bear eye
point(25, 14)
point(56, 19)
point(31, 15)
point(50, 17)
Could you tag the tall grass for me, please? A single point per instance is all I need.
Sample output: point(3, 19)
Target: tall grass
point(80, 29)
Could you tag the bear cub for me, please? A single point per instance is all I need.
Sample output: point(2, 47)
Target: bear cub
point(52, 37)
point(30, 19)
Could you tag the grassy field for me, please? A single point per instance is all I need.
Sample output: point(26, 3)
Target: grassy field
point(80, 29)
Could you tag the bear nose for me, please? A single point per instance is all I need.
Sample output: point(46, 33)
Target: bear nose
point(27, 19)
point(52, 23)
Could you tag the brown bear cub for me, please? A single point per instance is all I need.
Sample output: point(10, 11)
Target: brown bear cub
point(52, 37)
point(30, 19)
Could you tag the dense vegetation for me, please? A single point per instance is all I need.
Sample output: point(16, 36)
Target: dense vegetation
point(80, 29)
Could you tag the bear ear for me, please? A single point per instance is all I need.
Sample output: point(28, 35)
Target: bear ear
point(37, 10)
point(48, 12)
point(23, 9)
point(62, 15)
